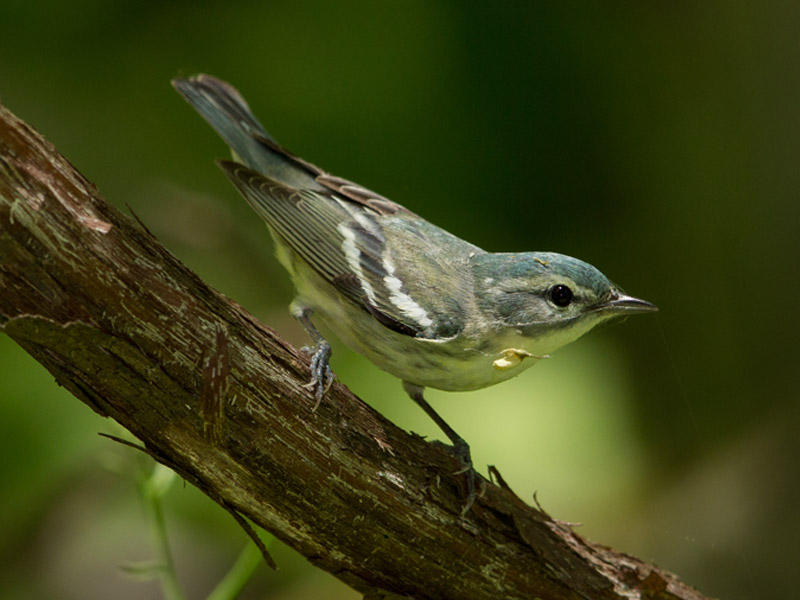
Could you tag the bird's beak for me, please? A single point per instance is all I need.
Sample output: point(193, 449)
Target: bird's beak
point(623, 304)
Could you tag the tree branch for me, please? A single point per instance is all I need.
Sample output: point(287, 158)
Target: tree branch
point(218, 397)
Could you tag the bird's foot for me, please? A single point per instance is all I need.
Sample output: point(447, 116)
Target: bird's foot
point(463, 454)
point(471, 478)
point(321, 375)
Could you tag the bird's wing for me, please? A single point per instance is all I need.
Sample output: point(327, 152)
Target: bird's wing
point(343, 240)
point(336, 226)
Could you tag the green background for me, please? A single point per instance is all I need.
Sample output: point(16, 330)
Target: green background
point(658, 141)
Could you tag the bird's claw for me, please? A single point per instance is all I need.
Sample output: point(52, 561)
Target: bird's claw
point(470, 477)
point(321, 375)
point(464, 456)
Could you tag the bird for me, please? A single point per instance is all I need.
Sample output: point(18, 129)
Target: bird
point(430, 308)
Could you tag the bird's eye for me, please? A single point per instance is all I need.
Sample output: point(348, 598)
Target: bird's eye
point(561, 295)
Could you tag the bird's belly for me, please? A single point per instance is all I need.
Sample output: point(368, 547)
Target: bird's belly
point(455, 369)
point(458, 364)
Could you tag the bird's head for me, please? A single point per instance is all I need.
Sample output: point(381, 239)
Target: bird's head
point(549, 297)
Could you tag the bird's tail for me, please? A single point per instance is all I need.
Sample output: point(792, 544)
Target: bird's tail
point(227, 112)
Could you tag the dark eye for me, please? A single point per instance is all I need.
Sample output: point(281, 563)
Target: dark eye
point(560, 295)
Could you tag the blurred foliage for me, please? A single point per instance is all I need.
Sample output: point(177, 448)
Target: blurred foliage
point(658, 141)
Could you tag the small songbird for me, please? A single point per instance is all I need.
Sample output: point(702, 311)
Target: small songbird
point(420, 303)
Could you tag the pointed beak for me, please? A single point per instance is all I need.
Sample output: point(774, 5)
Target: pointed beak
point(621, 303)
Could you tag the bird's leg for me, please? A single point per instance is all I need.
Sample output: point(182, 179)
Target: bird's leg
point(321, 374)
point(460, 447)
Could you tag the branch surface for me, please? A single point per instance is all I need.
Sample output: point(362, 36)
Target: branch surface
point(217, 396)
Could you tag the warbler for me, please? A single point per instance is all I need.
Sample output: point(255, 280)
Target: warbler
point(420, 303)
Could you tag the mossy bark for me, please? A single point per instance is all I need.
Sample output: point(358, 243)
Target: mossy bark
point(217, 396)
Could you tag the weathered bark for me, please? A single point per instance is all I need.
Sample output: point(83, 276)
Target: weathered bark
point(217, 396)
